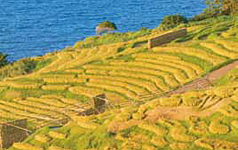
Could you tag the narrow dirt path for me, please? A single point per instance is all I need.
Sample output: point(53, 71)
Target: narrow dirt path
point(182, 112)
point(205, 82)
point(213, 76)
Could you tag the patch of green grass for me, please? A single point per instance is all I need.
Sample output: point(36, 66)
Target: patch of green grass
point(226, 78)
point(206, 66)
point(198, 46)
point(110, 38)
point(126, 58)
point(42, 64)
point(231, 136)
point(222, 64)
point(80, 98)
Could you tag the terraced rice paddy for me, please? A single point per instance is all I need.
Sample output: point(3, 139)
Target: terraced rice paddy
point(135, 81)
point(144, 127)
point(144, 76)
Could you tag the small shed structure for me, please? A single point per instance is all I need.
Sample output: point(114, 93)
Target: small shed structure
point(11, 132)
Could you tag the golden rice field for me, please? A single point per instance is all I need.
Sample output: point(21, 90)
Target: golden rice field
point(206, 126)
point(135, 81)
point(123, 78)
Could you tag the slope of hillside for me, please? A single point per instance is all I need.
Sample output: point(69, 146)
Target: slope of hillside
point(134, 80)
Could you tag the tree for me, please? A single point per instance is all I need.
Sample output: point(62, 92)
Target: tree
point(106, 26)
point(222, 7)
point(3, 59)
point(171, 21)
point(230, 7)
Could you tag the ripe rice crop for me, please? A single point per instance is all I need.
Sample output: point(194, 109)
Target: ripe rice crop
point(52, 96)
point(235, 98)
point(120, 137)
point(200, 128)
point(12, 94)
point(123, 91)
point(55, 75)
point(153, 76)
point(148, 147)
point(11, 113)
point(62, 58)
point(137, 85)
point(171, 80)
point(231, 45)
point(92, 92)
point(215, 144)
point(55, 87)
point(57, 135)
point(189, 71)
point(130, 87)
point(166, 58)
point(179, 146)
point(24, 85)
point(193, 52)
point(235, 123)
point(84, 122)
point(87, 55)
point(192, 98)
point(70, 101)
point(42, 138)
point(159, 142)
point(64, 80)
point(179, 133)
point(8, 115)
point(138, 82)
point(217, 49)
point(57, 148)
point(139, 137)
point(25, 146)
point(151, 104)
point(152, 55)
point(158, 81)
point(101, 72)
point(46, 108)
point(229, 111)
point(223, 91)
point(159, 131)
point(78, 71)
point(121, 124)
point(171, 101)
point(139, 69)
point(130, 145)
point(217, 127)
point(47, 101)
point(178, 74)
point(29, 111)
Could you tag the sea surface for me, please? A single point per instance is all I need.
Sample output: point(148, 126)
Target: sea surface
point(35, 27)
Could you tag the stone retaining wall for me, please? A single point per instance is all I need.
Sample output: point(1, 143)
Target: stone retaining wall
point(166, 38)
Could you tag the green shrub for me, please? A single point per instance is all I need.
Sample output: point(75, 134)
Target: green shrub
point(172, 21)
point(109, 38)
point(201, 16)
point(21, 67)
point(223, 7)
point(108, 24)
point(105, 27)
point(217, 8)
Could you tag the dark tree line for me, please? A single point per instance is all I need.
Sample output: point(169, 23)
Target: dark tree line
point(222, 7)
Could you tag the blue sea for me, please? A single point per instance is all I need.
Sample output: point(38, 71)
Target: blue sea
point(35, 27)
